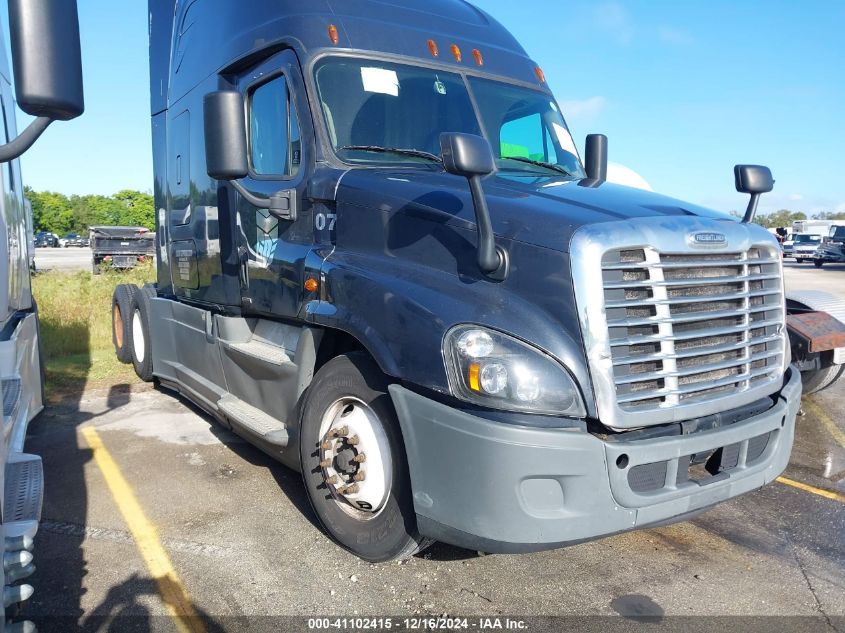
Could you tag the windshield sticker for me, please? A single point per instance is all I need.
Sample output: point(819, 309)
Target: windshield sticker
point(381, 81)
point(564, 138)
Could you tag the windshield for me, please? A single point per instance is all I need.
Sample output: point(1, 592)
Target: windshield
point(837, 233)
point(807, 239)
point(381, 112)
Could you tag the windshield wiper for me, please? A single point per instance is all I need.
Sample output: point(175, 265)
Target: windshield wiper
point(539, 163)
point(392, 150)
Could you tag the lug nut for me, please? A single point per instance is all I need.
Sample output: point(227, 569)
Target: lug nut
point(331, 480)
point(339, 432)
point(325, 463)
point(349, 490)
point(360, 476)
point(326, 446)
point(360, 458)
point(353, 441)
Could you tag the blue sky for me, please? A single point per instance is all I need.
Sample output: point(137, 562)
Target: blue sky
point(684, 90)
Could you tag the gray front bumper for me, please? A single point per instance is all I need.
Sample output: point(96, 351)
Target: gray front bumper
point(505, 488)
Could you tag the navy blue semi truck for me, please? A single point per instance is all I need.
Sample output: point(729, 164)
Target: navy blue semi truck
point(382, 261)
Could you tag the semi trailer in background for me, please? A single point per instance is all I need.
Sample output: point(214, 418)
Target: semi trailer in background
point(47, 82)
point(382, 260)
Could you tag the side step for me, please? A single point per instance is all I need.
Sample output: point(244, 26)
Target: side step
point(24, 488)
point(254, 420)
point(267, 352)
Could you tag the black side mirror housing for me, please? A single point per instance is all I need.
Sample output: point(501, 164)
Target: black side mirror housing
point(467, 155)
point(595, 157)
point(224, 121)
point(224, 128)
point(471, 157)
point(755, 180)
point(47, 65)
point(46, 58)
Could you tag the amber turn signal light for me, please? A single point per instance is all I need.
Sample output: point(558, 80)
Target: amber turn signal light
point(311, 285)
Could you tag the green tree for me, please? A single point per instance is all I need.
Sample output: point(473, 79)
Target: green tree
point(830, 215)
point(56, 213)
point(784, 218)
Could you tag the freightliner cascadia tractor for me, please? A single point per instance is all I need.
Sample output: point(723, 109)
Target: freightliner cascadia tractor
point(382, 261)
point(48, 86)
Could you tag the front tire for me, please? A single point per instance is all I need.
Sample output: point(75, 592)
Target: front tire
point(799, 260)
point(353, 462)
point(818, 263)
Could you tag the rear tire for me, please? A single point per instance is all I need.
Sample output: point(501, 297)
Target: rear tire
point(142, 357)
point(799, 260)
point(121, 309)
point(377, 521)
point(818, 263)
point(820, 379)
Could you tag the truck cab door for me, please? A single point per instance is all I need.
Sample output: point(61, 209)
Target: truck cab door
point(280, 132)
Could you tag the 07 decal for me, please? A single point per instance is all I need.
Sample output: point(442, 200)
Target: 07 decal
point(323, 221)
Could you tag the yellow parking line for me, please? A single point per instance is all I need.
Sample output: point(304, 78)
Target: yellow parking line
point(829, 424)
point(172, 591)
point(827, 494)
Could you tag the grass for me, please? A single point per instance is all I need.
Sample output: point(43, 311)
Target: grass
point(76, 329)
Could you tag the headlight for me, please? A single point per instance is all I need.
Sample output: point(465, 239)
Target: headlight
point(495, 370)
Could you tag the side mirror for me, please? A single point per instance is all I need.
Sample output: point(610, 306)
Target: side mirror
point(46, 58)
point(467, 155)
point(595, 157)
point(224, 128)
point(224, 120)
point(472, 157)
point(47, 65)
point(755, 180)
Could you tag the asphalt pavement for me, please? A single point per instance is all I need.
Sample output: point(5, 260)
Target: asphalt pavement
point(70, 259)
point(243, 543)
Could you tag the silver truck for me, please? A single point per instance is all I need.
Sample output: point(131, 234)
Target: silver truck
point(48, 86)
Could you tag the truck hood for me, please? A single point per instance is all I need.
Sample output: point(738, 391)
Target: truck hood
point(540, 211)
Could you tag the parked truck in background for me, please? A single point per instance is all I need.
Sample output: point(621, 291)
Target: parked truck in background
point(48, 86)
point(832, 248)
point(120, 247)
point(381, 260)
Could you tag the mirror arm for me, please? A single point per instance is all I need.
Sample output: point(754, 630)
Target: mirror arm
point(261, 203)
point(492, 259)
point(751, 211)
point(13, 149)
point(281, 205)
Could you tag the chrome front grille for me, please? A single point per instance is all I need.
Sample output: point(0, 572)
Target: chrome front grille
point(675, 330)
point(690, 327)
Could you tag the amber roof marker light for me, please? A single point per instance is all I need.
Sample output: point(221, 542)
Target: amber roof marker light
point(334, 36)
point(456, 51)
point(432, 47)
point(540, 74)
point(479, 58)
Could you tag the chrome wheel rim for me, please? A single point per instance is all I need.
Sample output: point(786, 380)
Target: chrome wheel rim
point(138, 336)
point(355, 459)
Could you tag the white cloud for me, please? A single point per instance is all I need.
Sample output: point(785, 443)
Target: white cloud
point(613, 18)
point(583, 110)
point(795, 197)
point(674, 36)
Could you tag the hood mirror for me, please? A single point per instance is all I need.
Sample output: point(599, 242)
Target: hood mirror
point(471, 157)
point(755, 180)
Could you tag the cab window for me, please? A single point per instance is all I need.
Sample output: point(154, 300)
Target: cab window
point(274, 139)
